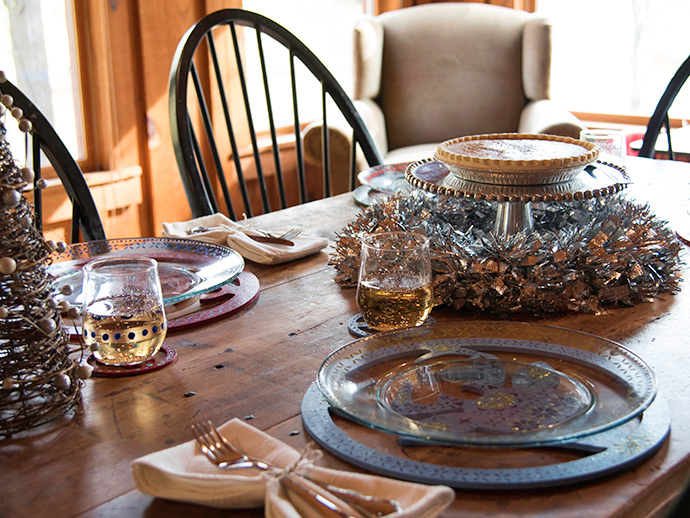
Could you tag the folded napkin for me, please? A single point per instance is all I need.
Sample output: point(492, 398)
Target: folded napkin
point(183, 473)
point(223, 230)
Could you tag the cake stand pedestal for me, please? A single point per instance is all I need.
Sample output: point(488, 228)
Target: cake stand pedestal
point(514, 210)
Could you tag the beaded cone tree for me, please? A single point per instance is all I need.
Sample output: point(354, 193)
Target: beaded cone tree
point(40, 372)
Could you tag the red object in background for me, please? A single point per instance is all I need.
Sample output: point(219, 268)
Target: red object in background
point(632, 137)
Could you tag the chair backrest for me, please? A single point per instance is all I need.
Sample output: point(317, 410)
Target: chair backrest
point(445, 70)
point(43, 138)
point(223, 86)
point(660, 118)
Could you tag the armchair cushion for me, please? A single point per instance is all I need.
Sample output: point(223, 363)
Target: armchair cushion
point(448, 70)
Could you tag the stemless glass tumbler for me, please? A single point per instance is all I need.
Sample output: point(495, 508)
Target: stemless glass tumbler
point(611, 144)
point(123, 311)
point(395, 282)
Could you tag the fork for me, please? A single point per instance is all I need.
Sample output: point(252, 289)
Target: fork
point(219, 451)
point(291, 233)
point(223, 454)
point(287, 235)
point(284, 239)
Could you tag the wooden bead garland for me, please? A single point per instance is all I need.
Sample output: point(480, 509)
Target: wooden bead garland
point(41, 373)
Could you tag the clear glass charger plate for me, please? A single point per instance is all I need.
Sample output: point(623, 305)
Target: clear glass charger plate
point(387, 178)
point(186, 268)
point(487, 383)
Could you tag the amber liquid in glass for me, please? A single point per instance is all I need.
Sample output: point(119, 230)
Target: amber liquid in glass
point(391, 305)
point(127, 330)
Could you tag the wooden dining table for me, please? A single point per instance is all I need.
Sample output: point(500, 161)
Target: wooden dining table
point(258, 363)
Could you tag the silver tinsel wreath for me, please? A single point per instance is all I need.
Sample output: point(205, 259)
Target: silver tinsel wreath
point(581, 256)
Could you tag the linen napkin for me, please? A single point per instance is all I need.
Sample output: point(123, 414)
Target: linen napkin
point(183, 473)
point(222, 230)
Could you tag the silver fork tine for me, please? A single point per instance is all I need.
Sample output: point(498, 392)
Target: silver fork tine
point(220, 451)
point(204, 444)
point(223, 445)
point(287, 234)
point(210, 444)
point(231, 452)
point(293, 232)
point(213, 444)
point(206, 437)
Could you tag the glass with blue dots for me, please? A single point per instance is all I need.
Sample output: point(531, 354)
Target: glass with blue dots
point(123, 319)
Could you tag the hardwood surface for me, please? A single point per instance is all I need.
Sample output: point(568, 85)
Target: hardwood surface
point(261, 361)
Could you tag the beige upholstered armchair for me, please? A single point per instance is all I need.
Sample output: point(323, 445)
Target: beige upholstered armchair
point(438, 71)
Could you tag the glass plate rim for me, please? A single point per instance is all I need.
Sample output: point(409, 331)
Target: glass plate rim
point(368, 176)
point(203, 287)
point(460, 441)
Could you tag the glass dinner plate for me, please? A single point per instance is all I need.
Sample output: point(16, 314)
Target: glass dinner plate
point(387, 178)
point(487, 383)
point(186, 268)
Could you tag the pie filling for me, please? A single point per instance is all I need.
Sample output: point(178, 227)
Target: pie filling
point(514, 151)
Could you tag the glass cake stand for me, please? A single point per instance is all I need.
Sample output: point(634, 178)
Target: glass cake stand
point(514, 210)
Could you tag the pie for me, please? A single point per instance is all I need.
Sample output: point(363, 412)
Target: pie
point(516, 158)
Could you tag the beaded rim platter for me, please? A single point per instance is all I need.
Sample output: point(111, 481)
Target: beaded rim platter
point(599, 454)
point(594, 181)
point(186, 268)
point(487, 383)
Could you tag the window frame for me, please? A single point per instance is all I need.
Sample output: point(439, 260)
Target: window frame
point(96, 116)
point(103, 73)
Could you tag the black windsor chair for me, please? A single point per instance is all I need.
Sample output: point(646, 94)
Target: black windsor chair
point(660, 118)
point(43, 138)
point(213, 133)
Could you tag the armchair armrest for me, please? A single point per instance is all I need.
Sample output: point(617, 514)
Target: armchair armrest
point(340, 135)
point(547, 116)
point(375, 121)
point(340, 138)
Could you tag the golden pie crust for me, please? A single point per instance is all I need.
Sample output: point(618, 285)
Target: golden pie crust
point(516, 158)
